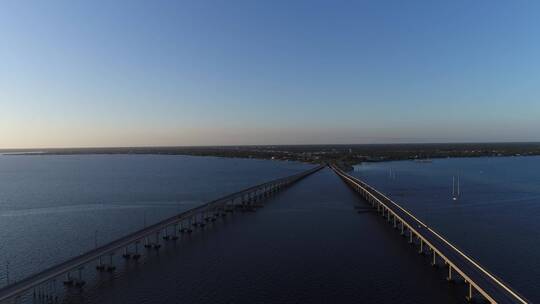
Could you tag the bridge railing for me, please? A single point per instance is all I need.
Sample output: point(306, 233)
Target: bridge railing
point(243, 198)
point(488, 285)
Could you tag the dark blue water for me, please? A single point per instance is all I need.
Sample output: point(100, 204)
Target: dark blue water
point(496, 218)
point(53, 207)
point(307, 245)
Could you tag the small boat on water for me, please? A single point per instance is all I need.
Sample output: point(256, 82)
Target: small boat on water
point(455, 190)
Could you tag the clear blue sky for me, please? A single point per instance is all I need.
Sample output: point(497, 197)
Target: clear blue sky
point(98, 73)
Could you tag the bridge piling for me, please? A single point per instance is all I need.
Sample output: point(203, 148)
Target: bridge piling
point(111, 267)
point(174, 237)
point(80, 282)
point(126, 254)
point(157, 245)
point(146, 242)
point(100, 265)
point(136, 255)
point(68, 281)
point(469, 296)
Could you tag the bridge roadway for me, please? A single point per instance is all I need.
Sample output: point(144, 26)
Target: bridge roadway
point(244, 198)
point(477, 277)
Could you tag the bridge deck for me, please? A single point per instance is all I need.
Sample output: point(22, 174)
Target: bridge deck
point(487, 284)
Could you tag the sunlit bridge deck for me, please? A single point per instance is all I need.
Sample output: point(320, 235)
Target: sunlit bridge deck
point(480, 282)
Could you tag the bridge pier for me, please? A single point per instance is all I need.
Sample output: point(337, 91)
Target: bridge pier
point(68, 281)
point(434, 261)
point(136, 255)
point(223, 210)
point(421, 250)
point(172, 237)
point(184, 229)
point(175, 229)
point(449, 277)
point(147, 242)
point(410, 236)
point(469, 296)
point(157, 245)
point(108, 267)
point(100, 266)
point(80, 281)
point(111, 267)
point(126, 254)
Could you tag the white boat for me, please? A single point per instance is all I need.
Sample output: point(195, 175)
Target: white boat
point(455, 192)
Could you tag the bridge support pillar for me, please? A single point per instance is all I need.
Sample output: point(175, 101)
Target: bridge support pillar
point(410, 236)
point(80, 282)
point(136, 255)
point(157, 245)
point(421, 250)
point(402, 228)
point(100, 266)
point(449, 277)
point(146, 242)
point(68, 281)
point(434, 261)
point(126, 254)
point(469, 296)
point(111, 267)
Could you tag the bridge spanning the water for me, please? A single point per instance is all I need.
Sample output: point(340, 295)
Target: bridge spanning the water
point(186, 222)
point(478, 279)
point(480, 282)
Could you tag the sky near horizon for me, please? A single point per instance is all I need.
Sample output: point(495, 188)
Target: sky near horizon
point(144, 73)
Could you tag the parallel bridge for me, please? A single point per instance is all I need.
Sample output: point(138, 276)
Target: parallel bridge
point(187, 221)
point(478, 279)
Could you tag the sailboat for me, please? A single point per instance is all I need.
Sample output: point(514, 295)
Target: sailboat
point(455, 194)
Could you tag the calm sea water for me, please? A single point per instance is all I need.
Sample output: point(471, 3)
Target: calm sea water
point(55, 207)
point(496, 219)
point(308, 245)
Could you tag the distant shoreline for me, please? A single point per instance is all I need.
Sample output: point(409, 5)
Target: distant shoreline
point(344, 155)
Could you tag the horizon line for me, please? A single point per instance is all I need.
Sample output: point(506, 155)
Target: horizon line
point(269, 145)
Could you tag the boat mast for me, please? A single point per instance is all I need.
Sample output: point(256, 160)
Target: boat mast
point(453, 186)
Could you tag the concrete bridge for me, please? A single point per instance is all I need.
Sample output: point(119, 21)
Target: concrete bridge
point(480, 282)
point(478, 279)
point(185, 222)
